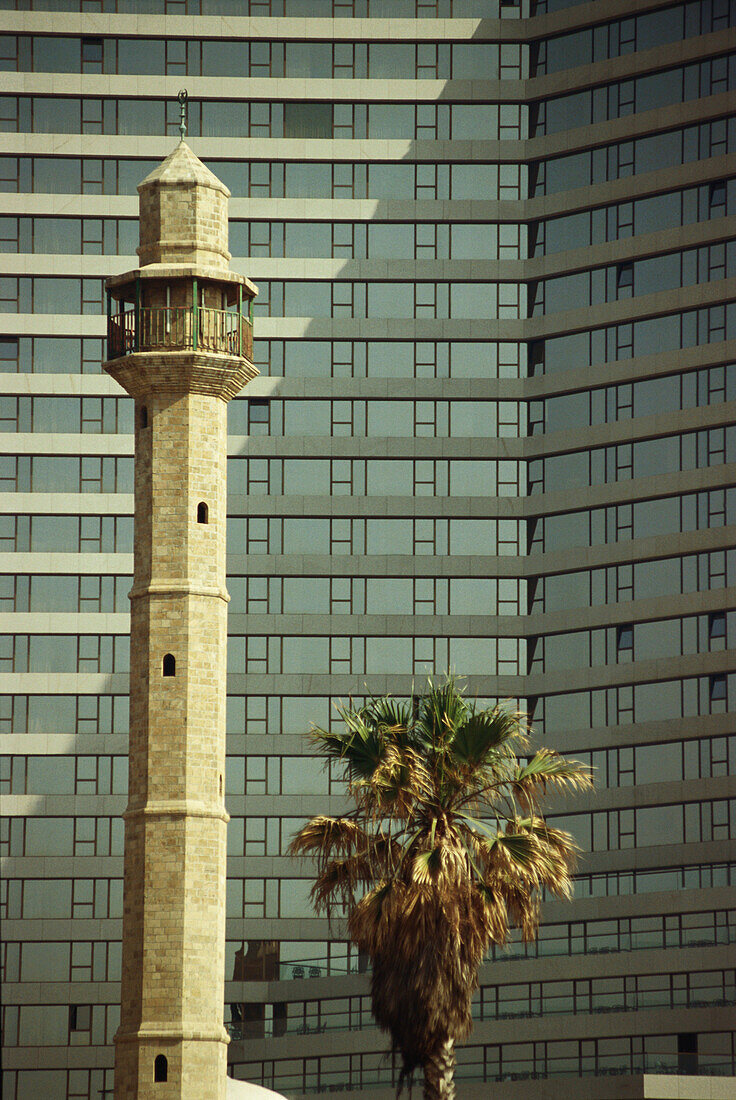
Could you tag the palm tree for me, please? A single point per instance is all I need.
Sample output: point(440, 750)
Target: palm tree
point(445, 848)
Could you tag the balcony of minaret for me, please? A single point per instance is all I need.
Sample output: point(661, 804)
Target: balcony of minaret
point(160, 311)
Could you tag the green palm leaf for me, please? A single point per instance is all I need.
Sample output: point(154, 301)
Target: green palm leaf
point(480, 734)
point(445, 849)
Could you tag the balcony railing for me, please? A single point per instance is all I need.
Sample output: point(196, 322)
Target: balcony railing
point(178, 328)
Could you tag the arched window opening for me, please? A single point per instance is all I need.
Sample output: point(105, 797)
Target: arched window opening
point(203, 513)
point(160, 1068)
point(169, 664)
point(144, 416)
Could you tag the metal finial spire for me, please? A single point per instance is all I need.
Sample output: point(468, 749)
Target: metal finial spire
point(183, 97)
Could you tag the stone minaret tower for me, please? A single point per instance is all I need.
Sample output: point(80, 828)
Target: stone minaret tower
point(180, 342)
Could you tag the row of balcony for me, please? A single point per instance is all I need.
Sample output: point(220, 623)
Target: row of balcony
point(179, 328)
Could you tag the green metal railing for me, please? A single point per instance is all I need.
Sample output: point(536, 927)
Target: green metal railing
point(178, 328)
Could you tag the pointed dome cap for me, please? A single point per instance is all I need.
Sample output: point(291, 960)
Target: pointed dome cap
point(182, 167)
point(183, 213)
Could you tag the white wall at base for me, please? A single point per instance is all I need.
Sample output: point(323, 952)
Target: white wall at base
point(243, 1090)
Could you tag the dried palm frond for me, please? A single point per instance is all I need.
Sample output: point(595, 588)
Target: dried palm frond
point(445, 850)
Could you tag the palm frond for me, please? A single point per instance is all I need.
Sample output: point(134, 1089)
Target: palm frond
point(442, 710)
point(482, 733)
point(548, 770)
point(325, 837)
point(445, 850)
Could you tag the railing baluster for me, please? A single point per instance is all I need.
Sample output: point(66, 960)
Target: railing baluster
point(149, 327)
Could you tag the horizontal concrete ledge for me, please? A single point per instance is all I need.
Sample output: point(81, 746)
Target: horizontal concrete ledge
point(174, 1035)
point(187, 808)
point(179, 588)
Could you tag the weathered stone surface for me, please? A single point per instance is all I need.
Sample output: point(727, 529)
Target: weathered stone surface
point(174, 891)
point(183, 213)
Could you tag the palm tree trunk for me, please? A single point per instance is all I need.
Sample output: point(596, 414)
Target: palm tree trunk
point(439, 1073)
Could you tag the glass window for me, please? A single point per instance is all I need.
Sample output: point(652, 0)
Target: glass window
point(51, 653)
point(390, 60)
point(49, 836)
point(474, 241)
point(54, 593)
point(224, 58)
point(567, 712)
point(475, 61)
point(306, 655)
point(141, 55)
point(306, 536)
point(469, 596)
point(473, 536)
point(307, 299)
point(388, 655)
point(390, 181)
point(45, 1025)
point(566, 651)
point(311, 59)
point(47, 898)
point(295, 898)
point(308, 181)
point(57, 235)
point(659, 639)
point(653, 823)
point(473, 478)
point(52, 714)
point(307, 418)
point(57, 295)
point(655, 395)
point(390, 359)
point(477, 120)
point(391, 120)
point(657, 702)
point(57, 174)
point(389, 478)
point(303, 775)
point(660, 763)
point(306, 476)
point(652, 517)
point(308, 239)
point(391, 241)
point(45, 962)
point(391, 300)
point(308, 595)
point(55, 474)
point(55, 54)
point(389, 536)
point(474, 181)
point(308, 120)
point(388, 595)
point(393, 418)
point(57, 115)
point(471, 300)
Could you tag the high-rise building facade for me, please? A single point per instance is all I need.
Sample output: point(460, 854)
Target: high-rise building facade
point(493, 431)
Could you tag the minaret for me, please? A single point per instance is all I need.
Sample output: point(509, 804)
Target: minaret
point(180, 342)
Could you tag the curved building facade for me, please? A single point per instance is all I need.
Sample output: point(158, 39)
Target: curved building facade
point(493, 431)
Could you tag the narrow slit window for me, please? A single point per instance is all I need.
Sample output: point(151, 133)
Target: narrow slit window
point(144, 416)
point(259, 412)
point(717, 193)
point(717, 624)
point(717, 687)
point(169, 664)
point(203, 513)
point(625, 276)
point(161, 1068)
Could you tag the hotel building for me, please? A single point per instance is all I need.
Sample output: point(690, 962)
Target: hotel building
point(493, 431)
